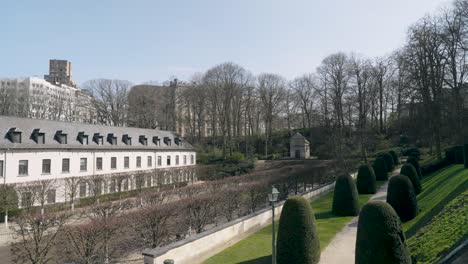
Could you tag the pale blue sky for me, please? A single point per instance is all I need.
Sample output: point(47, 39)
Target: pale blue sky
point(147, 40)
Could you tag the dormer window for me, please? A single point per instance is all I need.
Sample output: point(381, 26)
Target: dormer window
point(126, 139)
point(98, 139)
point(157, 141)
point(143, 140)
point(167, 141)
point(111, 139)
point(60, 137)
point(14, 135)
point(82, 138)
point(37, 136)
point(177, 141)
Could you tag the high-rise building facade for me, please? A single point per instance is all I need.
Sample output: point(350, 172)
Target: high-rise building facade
point(60, 72)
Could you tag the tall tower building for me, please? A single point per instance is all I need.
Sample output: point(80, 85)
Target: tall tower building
point(60, 72)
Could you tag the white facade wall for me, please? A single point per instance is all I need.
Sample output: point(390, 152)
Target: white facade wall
point(11, 160)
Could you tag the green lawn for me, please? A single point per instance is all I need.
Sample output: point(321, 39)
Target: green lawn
point(256, 249)
point(439, 188)
point(446, 230)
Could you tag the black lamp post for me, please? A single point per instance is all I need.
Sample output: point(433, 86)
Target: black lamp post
point(273, 197)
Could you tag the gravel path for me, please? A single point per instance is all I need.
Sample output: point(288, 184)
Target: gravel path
point(341, 248)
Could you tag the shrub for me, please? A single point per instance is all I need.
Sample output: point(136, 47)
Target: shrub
point(394, 155)
point(345, 197)
point(454, 154)
point(413, 161)
point(434, 166)
point(380, 237)
point(401, 196)
point(388, 161)
point(298, 240)
point(365, 182)
point(380, 169)
point(412, 152)
point(408, 170)
point(465, 155)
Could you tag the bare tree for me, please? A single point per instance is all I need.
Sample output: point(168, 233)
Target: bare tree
point(84, 243)
point(45, 189)
point(153, 224)
point(109, 100)
point(71, 186)
point(272, 92)
point(8, 200)
point(36, 235)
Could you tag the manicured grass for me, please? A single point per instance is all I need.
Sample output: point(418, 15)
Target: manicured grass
point(256, 249)
point(446, 230)
point(439, 188)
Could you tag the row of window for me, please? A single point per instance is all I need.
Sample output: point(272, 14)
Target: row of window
point(47, 164)
point(15, 136)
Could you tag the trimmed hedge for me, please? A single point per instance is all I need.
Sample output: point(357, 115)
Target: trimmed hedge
point(366, 182)
point(401, 196)
point(465, 155)
point(388, 161)
point(345, 197)
point(434, 166)
point(380, 237)
point(298, 240)
point(413, 161)
point(454, 154)
point(412, 152)
point(394, 155)
point(380, 169)
point(408, 170)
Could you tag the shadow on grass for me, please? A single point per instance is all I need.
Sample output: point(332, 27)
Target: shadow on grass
point(436, 185)
point(260, 260)
point(436, 209)
point(326, 215)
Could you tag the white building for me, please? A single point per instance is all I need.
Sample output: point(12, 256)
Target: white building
point(34, 97)
point(33, 150)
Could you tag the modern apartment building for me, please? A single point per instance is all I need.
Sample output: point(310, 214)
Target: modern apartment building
point(33, 151)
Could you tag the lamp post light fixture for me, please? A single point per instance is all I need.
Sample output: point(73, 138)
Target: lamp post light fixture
point(273, 197)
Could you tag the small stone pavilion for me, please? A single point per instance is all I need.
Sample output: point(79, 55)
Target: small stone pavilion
point(299, 147)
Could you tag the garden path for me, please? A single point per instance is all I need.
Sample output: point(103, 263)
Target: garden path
point(341, 248)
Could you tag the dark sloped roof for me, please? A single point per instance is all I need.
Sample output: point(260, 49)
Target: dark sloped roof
point(50, 128)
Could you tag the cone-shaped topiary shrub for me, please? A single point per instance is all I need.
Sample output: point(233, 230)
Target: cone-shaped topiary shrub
point(401, 196)
point(388, 161)
point(365, 182)
point(408, 170)
point(465, 155)
point(380, 237)
point(298, 240)
point(413, 161)
point(345, 197)
point(380, 169)
point(394, 155)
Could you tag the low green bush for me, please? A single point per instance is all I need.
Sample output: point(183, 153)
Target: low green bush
point(401, 196)
point(298, 240)
point(412, 152)
point(413, 161)
point(345, 197)
point(380, 237)
point(408, 170)
point(388, 161)
point(380, 169)
point(454, 154)
point(394, 155)
point(434, 166)
point(366, 182)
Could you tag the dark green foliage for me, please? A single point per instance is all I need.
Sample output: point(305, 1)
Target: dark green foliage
point(454, 154)
point(345, 197)
point(465, 155)
point(434, 166)
point(412, 152)
point(380, 237)
point(413, 161)
point(380, 169)
point(365, 182)
point(408, 170)
point(298, 240)
point(401, 196)
point(388, 161)
point(394, 155)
